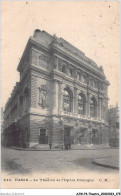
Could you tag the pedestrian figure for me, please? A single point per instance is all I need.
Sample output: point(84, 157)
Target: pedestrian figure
point(69, 146)
point(50, 145)
point(66, 146)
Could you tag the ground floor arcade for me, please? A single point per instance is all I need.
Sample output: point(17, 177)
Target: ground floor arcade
point(61, 132)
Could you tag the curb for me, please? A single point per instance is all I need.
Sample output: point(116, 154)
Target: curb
point(31, 149)
point(105, 165)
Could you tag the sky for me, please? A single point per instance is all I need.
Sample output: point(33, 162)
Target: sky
point(91, 26)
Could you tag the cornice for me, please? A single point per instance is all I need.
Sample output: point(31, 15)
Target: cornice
point(40, 45)
point(79, 83)
point(24, 115)
point(24, 79)
point(23, 55)
point(77, 61)
point(38, 112)
point(32, 41)
point(67, 50)
point(73, 117)
point(25, 75)
point(39, 70)
point(90, 88)
point(60, 75)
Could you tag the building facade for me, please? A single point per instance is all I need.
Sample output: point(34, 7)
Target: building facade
point(61, 97)
point(113, 124)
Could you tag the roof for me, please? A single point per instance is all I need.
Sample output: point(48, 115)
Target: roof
point(46, 40)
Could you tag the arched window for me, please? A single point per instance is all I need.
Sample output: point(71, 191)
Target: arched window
point(93, 107)
point(81, 104)
point(67, 100)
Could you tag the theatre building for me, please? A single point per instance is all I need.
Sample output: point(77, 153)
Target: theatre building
point(61, 97)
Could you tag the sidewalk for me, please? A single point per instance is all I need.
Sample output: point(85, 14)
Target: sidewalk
point(59, 148)
point(90, 146)
point(111, 162)
point(33, 149)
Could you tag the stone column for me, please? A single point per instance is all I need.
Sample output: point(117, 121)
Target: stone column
point(85, 108)
point(106, 112)
point(75, 73)
point(56, 62)
point(88, 104)
point(60, 96)
point(55, 97)
point(99, 108)
point(89, 136)
point(102, 109)
point(66, 69)
point(57, 133)
point(75, 101)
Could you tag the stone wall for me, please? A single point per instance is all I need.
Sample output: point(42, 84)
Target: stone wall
point(38, 122)
point(24, 127)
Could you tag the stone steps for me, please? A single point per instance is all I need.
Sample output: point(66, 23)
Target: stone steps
point(41, 147)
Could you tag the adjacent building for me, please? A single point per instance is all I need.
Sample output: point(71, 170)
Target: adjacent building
point(62, 97)
point(113, 124)
point(2, 128)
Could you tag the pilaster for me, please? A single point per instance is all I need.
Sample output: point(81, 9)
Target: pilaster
point(55, 96)
point(60, 96)
point(102, 115)
point(56, 62)
point(75, 101)
point(88, 104)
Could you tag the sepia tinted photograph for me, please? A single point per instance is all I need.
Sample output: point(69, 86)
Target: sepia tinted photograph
point(60, 94)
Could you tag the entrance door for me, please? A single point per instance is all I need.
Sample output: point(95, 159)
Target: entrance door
point(95, 139)
point(43, 138)
point(67, 138)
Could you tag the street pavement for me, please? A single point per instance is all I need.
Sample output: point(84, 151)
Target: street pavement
point(26, 162)
point(112, 162)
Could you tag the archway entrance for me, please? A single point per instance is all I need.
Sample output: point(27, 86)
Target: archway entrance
point(95, 136)
point(67, 138)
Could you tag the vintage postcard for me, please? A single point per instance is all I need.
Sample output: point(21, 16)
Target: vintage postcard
point(60, 94)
